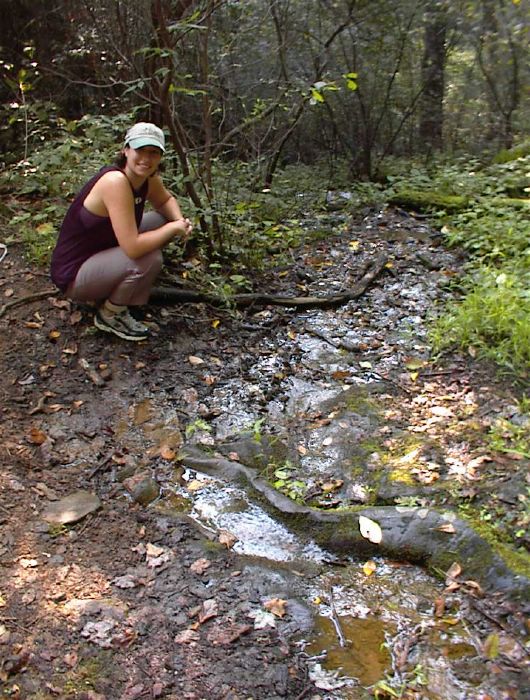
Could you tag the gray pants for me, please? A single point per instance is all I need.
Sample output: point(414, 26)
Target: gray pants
point(111, 275)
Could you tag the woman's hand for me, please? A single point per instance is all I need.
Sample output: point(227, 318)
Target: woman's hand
point(183, 228)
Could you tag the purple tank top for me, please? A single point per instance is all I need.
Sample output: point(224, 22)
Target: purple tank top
point(84, 234)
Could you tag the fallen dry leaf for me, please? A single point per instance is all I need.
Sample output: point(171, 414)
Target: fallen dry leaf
point(194, 360)
point(439, 606)
point(36, 436)
point(71, 659)
point(276, 606)
point(208, 610)
point(228, 634)
point(332, 485)
point(473, 587)
point(490, 648)
point(340, 374)
point(446, 527)
point(200, 565)
point(28, 563)
point(75, 317)
point(187, 637)
point(370, 530)
point(227, 538)
point(73, 350)
point(369, 567)
point(453, 572)
point(167, 453)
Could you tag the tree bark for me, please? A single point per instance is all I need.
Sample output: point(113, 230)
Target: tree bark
point(433, 77)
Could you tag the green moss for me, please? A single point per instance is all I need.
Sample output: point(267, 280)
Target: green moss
point(510, 154)
point(360, 402)
point(89, 671)
point(517, 561)
point(402, 475)
point(518, 203)
point(429, 200)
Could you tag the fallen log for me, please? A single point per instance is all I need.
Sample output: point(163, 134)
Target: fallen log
point(165, 295)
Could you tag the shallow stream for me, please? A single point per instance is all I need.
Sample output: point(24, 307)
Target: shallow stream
point(322, 389)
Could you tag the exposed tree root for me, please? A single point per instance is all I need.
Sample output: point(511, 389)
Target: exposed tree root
point(27, 299)
point(436, 539)
point(166, 295)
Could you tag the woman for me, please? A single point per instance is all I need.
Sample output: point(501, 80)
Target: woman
point(108, 251)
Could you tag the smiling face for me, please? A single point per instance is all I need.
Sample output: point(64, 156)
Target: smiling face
point(141, 163)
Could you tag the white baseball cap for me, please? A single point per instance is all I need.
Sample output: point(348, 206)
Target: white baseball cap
point(145, 134)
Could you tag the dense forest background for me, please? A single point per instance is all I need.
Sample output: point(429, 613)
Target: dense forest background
point(273, 82)
point(271, 105)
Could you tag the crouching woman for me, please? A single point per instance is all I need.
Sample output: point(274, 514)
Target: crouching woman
point(108, 251)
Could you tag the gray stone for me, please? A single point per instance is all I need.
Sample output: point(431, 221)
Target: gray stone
point(71, 509)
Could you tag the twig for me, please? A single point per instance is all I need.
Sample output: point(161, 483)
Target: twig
point(335, 620)
point(102, 462)
point(180, 296)
point(39, 408)
point(308, 689)
point(17, 624)
point(27, 299)
point(503, 626)
point(96, 378)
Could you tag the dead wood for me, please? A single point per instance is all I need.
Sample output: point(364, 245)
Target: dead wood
point(166, 295)
point(27, 299)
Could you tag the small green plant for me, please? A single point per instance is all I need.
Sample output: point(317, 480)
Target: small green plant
point(56, 530)
point(286, 482)
point(388, 688)
point(492, 320)
point(505, 436)
point(197, 425)
point(256, 430)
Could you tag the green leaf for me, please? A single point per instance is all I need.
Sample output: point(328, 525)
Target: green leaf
point(316, 96)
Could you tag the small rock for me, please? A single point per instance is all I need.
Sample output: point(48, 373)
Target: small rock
point(71, 509)
point(142, 488)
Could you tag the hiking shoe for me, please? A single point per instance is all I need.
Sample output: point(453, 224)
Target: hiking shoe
point(121, 324)
point(133, 323)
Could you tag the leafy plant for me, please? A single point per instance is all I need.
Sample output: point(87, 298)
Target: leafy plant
point(197, 425)
point(286, 482)
point(492, 320)
point(506, 436)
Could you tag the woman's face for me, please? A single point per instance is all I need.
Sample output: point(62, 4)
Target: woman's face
point(142, 162)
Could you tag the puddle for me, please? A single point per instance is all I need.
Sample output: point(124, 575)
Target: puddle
point(363, 654)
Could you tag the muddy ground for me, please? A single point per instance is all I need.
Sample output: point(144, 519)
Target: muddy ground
point(133, 600)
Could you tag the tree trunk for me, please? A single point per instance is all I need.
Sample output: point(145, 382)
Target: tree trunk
point(433, 76)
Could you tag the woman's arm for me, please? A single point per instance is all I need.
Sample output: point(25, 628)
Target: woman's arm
point(118, 200)
point(162, 200)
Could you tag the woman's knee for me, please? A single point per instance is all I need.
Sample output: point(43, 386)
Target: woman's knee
point(151, 220)
point(150, 262)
